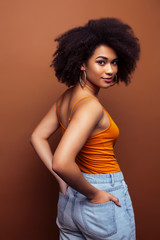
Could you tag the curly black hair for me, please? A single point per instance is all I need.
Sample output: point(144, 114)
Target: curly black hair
point(77, 45)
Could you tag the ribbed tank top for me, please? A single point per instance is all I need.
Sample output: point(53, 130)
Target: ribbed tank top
point(97, 156)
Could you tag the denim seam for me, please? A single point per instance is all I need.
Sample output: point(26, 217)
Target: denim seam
point(125, 193)
point(66, 201)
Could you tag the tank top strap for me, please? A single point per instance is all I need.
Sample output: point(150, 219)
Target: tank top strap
point(59, 107)
point(76, 103)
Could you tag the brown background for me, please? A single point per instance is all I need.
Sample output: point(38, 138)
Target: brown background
point(28, 192)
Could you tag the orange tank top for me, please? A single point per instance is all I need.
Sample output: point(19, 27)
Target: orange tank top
point(97, 156)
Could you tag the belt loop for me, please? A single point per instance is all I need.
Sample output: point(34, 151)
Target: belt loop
point(112, 179)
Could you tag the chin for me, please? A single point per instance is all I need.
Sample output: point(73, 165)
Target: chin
point(108, 85)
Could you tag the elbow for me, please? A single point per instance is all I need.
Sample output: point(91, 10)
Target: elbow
point(37, 135)
point(33, 138)
point(58, 166)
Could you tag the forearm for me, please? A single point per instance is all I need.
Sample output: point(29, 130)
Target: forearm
point(43, 150)
point(72, 175)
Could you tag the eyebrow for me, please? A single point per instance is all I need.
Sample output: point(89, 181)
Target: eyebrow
point(106, 58)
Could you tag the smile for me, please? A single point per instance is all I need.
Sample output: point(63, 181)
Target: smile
point(107, 79)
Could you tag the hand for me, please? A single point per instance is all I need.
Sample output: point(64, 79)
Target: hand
point(103, 196)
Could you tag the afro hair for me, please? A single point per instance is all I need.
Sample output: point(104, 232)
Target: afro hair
point(77, 45)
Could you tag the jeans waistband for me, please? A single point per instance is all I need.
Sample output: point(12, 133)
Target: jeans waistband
point(100, 179)
point(104, 178)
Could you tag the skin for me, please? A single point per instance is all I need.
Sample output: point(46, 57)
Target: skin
point(88, 118)
point(101, 65)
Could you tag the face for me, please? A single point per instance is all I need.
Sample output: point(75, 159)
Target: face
point(101, 67)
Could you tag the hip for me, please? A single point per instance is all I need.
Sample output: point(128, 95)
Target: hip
point(101, 220)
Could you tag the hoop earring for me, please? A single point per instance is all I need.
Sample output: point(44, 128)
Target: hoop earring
point(85, 79)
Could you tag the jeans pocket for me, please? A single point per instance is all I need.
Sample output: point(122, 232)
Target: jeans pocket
point(99, 219)
point(62, 203)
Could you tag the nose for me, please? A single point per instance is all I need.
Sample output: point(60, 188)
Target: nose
point(109, 69)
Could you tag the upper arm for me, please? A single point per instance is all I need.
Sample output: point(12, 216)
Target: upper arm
point(48, 124)
point(79, 129)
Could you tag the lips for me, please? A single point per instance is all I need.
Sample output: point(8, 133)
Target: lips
point(107, 79)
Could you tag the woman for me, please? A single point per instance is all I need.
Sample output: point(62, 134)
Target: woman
point(94, 202)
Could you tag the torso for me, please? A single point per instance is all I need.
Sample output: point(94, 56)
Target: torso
point(70, 97)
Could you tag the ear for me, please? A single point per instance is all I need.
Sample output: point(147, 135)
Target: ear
point(83, 67)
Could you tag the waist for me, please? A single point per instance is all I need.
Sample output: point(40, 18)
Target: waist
point(104, 178)
point(98, 165)
point(101, 182)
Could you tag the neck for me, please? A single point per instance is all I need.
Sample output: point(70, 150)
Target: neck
point(90, 88)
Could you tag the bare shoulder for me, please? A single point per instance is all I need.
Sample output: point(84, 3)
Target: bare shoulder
point(89, 107)
point(67, 92)
point(62, 95)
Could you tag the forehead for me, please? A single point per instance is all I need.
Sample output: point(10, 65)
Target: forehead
point(105, 51)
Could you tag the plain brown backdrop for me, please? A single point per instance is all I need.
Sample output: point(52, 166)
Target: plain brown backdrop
point(28, 192)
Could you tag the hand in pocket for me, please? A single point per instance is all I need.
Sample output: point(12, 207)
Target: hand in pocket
point(102, 197)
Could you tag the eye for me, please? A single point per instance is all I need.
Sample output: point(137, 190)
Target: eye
point(115, 62)
point(101, 62)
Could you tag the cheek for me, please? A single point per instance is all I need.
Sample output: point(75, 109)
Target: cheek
point(95, 70)
point(93, 74)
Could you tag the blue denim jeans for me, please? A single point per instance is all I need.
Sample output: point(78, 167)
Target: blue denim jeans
point(79, 219)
